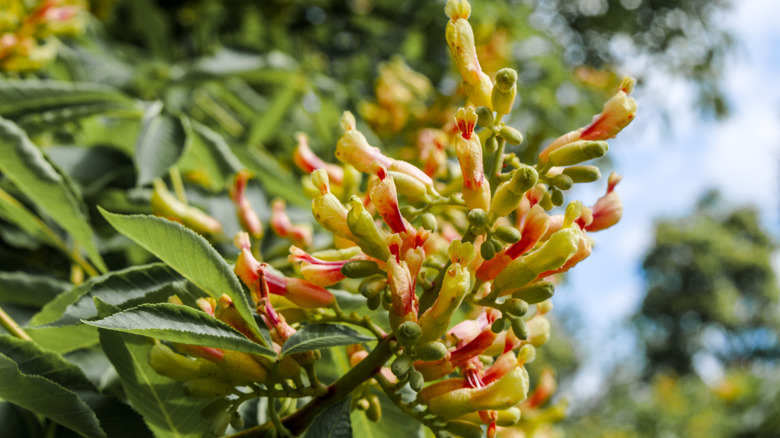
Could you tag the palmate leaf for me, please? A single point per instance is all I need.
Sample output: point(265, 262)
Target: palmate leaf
point(24, 164)
point(33, 98)
point(160, 400)
point(162, 141)
point(318, 336)
point(181, 324)
point(188, 253)
point(47, 398)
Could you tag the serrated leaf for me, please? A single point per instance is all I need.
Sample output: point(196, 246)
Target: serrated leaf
point(318, 336)
point(65, 339)
point(28, 289)
point(333, 422)
point(210, 157)
point(161, 142)
point(16, 213)
point(33, 360)
point(25, 165)
point(114, 288)
point(21, 98)
point(182, 324)
point(160, 400)
point(47, 398)
point(186, 252)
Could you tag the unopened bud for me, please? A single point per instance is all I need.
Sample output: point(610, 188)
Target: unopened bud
point(465, 429)
point(583, 174)
point(505, 90)
point(556, 197)
point(498, 325)
point(207, 388)
point(359, 268)
point(372, 286)
point(408, 186)
point(220, 424)
point(416, 381)
point(486, 250)
point(368, 237)
point(562, 181)
point(374, 302)
point(408, 333)
point(484, 116)
point(577, 152)
point(401, 366)
point(511, 135)
point(509, 194)
point(535, 292)
point(374, 412)
point(519, 328)
point(491, 144)
point(428, 221)
point(508, 234)
point(477, 218)
point(516, 307)
point(431, 351)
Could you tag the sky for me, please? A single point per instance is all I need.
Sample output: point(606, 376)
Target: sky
point(666, 167)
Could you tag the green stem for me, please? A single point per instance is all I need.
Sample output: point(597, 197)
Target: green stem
point(12, 327)
point(298, 421)
point(498, 164)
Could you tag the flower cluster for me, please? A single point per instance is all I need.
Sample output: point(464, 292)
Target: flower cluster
point(27, 30)
point(420, 245)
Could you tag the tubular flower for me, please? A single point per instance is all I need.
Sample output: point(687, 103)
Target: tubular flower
point(246, 215)
point(608, 209)
point(300, 235)
point(166, 205)
point(385, 198)
point(431, 144)
point(460, 38)
point(367, 235)
point(401, 283)
point(476, 190)
point(327, 208)
point(307, 161)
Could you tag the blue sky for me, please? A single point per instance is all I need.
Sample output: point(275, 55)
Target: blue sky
point(666, 168)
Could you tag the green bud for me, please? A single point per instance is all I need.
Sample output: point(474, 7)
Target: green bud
point(464, 429)
point(359, 268)
point(563, 182)
point(215, 407)
point(535, 292)
point(508, 234)
point(428, 221)
point(431, 351)
point(519, 328)
point(416, 381)
point(516, 307)
point(408, 186)
point(477, 218)
point(486, 250)
point(408, 211)
point(401, 366)
point(498, 325)
point(371, 286)
point(509, 194)
point(577, 152)
point(207, 388)
point(497, 244)
point(484, 116)
point(362, 404)
point(408, 333)
point(373, 302)
point(236, 421)
point(220, 424)
point(367, 235)
point(559, 248)
point(546, 201)
point(387, 296)
point(583, 174)
point(374, 412)
point(506, 78)
point(556, 197)
point(511, 135)
point(491, 144)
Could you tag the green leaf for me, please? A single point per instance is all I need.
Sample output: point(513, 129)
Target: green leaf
point(16, 213)
point(32, 97)
point(47, 398)
point(28, 168)
point(162, 141)
point(276, 180)
point(64, 339)
point(210, 155)
point(160, 400)
point(182, 324)
point(33, 360)
point(318, 336)
point(186, 252)
point(333, 422)
point(28, 289)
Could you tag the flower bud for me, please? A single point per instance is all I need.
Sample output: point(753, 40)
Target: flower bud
point(428, 222)
point(484, 116)
point(367, 236)
point(504, 92)
point(307, 161)
point(327, 209)
point(477, 218)
point(577, 152)
point(207, 388)
point(508, 234)
point(404, 300)
point(385, 198)
point(491, 144)
point(416, 381)
point(374, 412)
point(372, 286)
point(510, 193)
point(464, 429)
point(516, 306)
point(476, 190)
point(498, 325)
point(401, 366)
point(246, 215)
point(519, 328)
point(408, 333)
point(556, 197)
point(583, 174)
point(241, 369)
point(511, 135)
point(164, 204)
point(562, 181)
point(431, 351)
point(168, 363)
point(236, 421)
point(535, 292)
point(409, 186)
point(353, 148)
point(359, 268)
